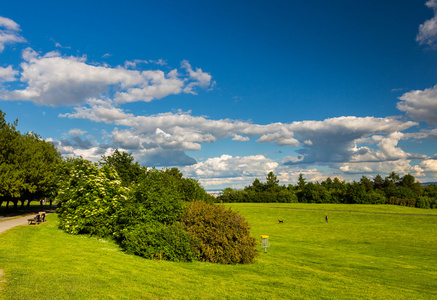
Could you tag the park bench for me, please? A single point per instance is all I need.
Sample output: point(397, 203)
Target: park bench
point(35, 220)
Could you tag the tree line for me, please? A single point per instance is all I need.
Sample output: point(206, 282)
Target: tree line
point(28, 166)
point(393, 189)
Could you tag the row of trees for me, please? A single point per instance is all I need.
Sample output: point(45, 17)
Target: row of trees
point(392, 189)
point(28, 166)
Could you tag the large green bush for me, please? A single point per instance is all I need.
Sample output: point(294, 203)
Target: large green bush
point(151, 217)
point(156, 240)
point(147, 223)
point(223, 234)
point(90, 198)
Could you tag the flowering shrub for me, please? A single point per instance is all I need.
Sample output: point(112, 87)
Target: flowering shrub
point(89, 199)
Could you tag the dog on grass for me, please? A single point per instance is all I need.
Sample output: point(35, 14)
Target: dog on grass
point(280, 221)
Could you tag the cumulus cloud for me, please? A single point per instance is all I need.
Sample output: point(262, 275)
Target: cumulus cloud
point(57, 80)
point(429, 165)
point(336, 140)
point(240, 138)
point(76, 131)
point(427, 34)
point(283, 137)
point(230, 169)
point(401, 166)
point(420, 105)
point(8, 74)
point(199, 78)
point(9, 33)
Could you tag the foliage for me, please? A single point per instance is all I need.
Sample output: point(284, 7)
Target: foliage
point(189, 188)
point(27, 165)
point(90, 198)
point(223, 234)
point(141, 217)
point(147, 223)
point(402, 202)
point(259, 192)
point(127, 168)
point(156, 240)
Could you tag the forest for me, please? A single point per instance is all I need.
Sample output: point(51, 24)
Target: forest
point(393, 189)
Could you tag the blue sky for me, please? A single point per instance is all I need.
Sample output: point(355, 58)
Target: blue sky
point(228, 91)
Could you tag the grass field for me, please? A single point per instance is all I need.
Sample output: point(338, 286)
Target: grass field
point(364, 252)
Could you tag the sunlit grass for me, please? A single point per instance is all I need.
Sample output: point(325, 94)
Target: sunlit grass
point(357, 255)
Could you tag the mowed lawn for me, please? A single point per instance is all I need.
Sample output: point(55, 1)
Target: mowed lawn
point(363, 252)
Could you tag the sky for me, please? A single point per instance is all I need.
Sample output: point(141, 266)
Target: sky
point(228, 91)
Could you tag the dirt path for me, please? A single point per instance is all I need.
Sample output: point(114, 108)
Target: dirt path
point(12, 222)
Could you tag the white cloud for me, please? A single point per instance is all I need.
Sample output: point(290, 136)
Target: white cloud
point(240, 138)
point(283, 137)
point(337, 140)
point(199, 78)
point(76, 131)
point(429, 165)
point(428, 31)
point(9, 33)
point(401, 166)
point(235, 171)
point(8, 74)
point(56, 80)
point(420, 105)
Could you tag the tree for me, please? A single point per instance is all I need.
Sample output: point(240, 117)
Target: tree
point(127, 168)
point(368, 185)
point(301, 182)
point(28, 165)
point(408, 181)
point(378, 182)
point(272, 181)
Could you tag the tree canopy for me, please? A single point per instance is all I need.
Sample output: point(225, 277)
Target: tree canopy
point(28, 165)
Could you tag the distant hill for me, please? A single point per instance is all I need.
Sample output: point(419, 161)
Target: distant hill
point(428, 183)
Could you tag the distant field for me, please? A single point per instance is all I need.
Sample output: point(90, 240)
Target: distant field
point(364, 252)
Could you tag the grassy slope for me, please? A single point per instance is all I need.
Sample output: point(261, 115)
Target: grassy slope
point(355, 255)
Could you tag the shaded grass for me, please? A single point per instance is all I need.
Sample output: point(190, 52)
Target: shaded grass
point(357, 255)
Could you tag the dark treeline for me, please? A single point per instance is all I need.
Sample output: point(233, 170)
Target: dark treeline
point(392, 189)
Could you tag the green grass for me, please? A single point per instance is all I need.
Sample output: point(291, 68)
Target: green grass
point(362, 253)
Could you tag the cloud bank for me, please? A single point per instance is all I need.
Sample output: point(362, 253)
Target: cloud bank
point(99, 93)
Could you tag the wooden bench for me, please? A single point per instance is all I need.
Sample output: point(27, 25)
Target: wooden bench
point(34, 220)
